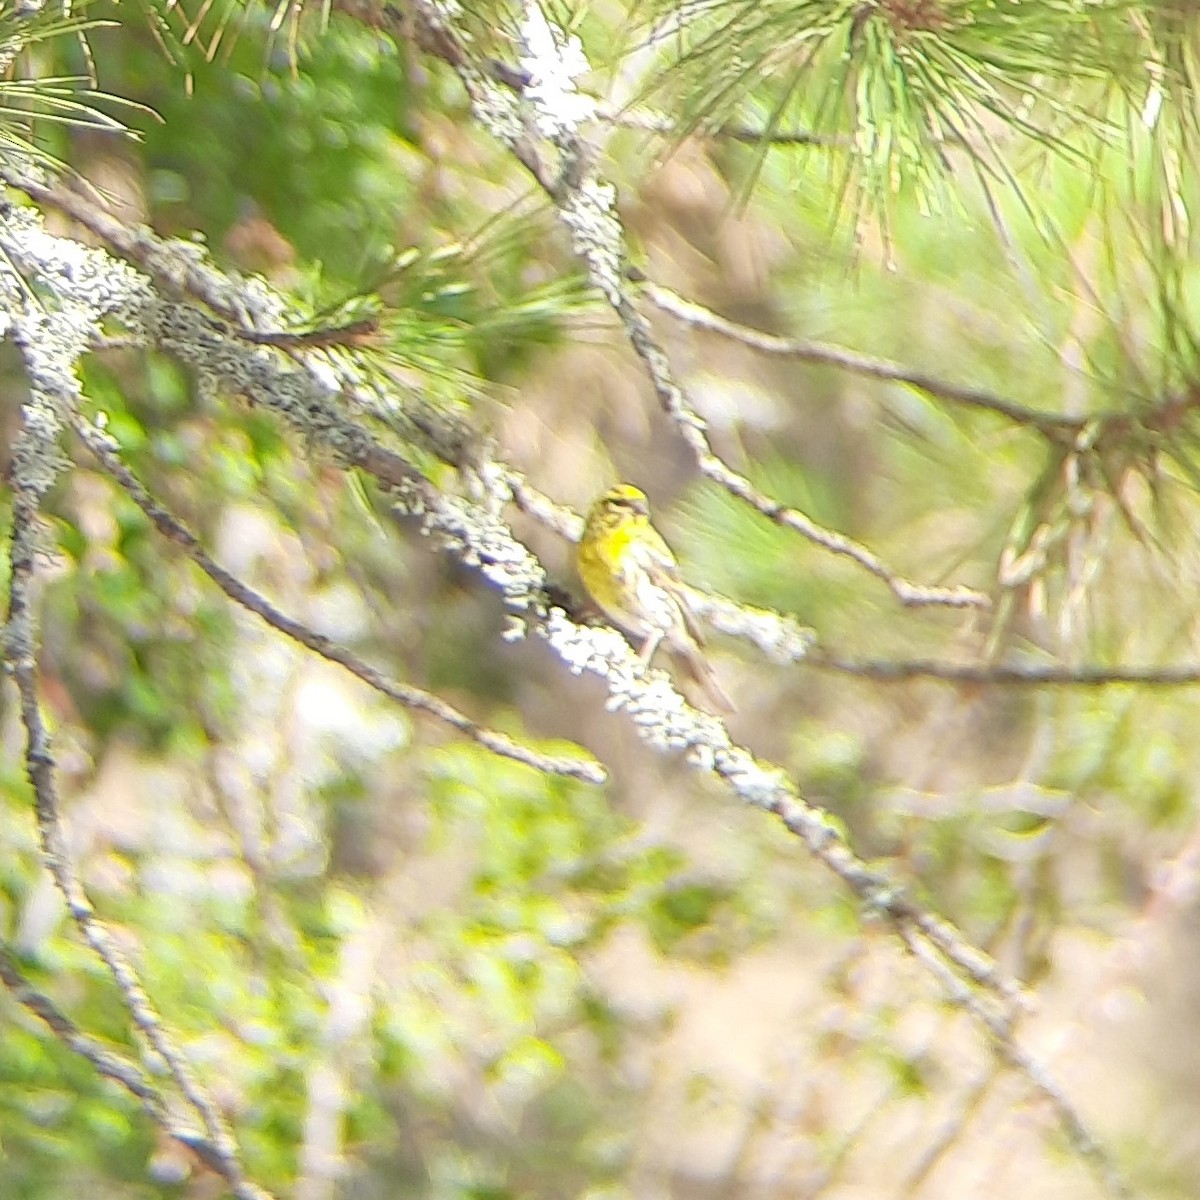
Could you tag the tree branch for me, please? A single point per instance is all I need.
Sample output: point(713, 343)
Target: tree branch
point(1004, 674)
point(114, 1066)
point(587, 207)
point(105, 450)
point(472, 531)
point(1051, 425)
point(1003, 1036)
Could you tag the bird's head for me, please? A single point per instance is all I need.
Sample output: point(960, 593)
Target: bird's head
point(622, 502)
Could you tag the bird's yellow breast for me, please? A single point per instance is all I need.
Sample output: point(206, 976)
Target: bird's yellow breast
point(606, 566)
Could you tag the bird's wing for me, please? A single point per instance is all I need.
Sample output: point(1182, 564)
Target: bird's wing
point(656, 554)
point(666, 576)
point(662, 569)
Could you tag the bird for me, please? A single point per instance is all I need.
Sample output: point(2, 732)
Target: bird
point(633, 577)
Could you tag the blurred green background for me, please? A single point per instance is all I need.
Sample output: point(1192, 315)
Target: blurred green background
point(408, 968)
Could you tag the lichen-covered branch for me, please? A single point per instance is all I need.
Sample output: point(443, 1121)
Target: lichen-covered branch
point(778, 636)
point(542, 126)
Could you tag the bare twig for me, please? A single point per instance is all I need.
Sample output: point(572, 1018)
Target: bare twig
point(1001, 1029)
point(562, 520)
point(1005, 675)
point(105, 449)
point(109, 1063)
point(908, 593)
point(1050, 424)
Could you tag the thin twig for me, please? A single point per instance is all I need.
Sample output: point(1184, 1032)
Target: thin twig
point(105, 449)
point(599, 243)
point(882, 896)
point(1051, 424)
point(692, 429)
point(109, 1063)
point(1001, 1029)
point(951, 1129)
point(750, 135)
point(562, 520)
point(1005, 675)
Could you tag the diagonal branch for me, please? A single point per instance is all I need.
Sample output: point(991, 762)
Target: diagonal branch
point(1057, 428)
point(107, 1062)
point(105, 449)
point(111, 1064)
point(664, 720)
point(587, 207)
point(1010, 1051)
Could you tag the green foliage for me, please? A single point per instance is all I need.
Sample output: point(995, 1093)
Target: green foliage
point(906, 99)
point(546, 857)
point(322, 159)
point(444, 319)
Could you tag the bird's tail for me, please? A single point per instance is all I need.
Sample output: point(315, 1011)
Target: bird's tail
point(699, 670)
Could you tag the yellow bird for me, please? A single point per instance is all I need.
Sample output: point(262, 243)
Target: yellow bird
point(631, 574)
